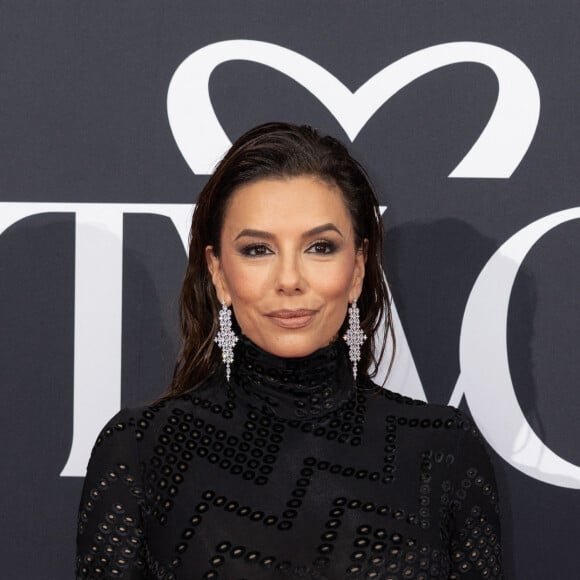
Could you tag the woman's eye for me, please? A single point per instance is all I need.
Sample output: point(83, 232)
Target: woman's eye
point(322, 247)
point(256, 250)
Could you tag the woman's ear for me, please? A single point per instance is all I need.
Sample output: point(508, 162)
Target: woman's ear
point(217, 275)
point(365, 249)
point(359, 270)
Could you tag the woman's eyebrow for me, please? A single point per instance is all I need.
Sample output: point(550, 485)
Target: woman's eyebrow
point(251, 233)
point(254, 234)
point(321, 229)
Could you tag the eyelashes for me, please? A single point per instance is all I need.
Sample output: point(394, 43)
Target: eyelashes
point(319, 247)
point(255, 250)
point(322, 247)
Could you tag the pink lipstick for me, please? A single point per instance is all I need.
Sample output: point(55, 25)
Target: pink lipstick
point(292, 318)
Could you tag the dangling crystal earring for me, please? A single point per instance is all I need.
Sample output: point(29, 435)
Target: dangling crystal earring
point(354, 336)
point(226, 338)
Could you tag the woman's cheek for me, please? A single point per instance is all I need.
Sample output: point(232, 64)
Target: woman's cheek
point(336, 282)
point(247, 284)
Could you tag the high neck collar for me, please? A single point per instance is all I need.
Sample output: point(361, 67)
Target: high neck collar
point(305, 388)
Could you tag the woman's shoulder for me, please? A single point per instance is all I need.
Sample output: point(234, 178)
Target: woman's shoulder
point(412, 412)
point(167, 413)
point(443, 429)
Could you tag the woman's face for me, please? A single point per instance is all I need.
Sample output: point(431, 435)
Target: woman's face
point(288, 263)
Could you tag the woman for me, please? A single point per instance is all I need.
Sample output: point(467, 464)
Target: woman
point(273, 454)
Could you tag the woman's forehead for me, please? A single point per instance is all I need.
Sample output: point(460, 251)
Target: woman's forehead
point(304, 202)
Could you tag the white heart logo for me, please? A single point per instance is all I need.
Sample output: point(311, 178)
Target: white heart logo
point(496, 153)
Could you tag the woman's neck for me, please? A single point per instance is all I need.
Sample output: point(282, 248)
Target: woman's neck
point(303, 389)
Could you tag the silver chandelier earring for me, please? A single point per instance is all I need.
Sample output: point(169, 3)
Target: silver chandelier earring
point(226, 338)
point(354, 336)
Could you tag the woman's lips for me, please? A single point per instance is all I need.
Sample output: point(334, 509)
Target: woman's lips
point(292, 318)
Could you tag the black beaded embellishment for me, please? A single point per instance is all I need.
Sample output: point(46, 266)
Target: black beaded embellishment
point(289, 471)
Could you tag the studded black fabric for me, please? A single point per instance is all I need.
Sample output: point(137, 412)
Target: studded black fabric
point(289, 472)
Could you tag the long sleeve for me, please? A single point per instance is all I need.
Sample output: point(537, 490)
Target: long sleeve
point(475, 549)
point(110, 536)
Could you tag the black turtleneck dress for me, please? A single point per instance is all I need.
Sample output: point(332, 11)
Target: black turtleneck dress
point(289, 471)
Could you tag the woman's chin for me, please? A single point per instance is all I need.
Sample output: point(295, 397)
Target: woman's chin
point(291, 346)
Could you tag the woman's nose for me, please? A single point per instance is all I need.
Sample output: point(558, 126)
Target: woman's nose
point(290, 277)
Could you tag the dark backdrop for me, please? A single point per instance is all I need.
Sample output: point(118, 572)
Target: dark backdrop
point(83, 118)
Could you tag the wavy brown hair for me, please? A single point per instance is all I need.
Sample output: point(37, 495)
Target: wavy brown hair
point(277, 150)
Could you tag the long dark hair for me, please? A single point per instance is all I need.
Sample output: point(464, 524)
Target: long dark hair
point(277, 150)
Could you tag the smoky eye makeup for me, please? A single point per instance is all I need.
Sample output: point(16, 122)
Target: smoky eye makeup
point(255, 249)
point(262, 242)
point(323, 247)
